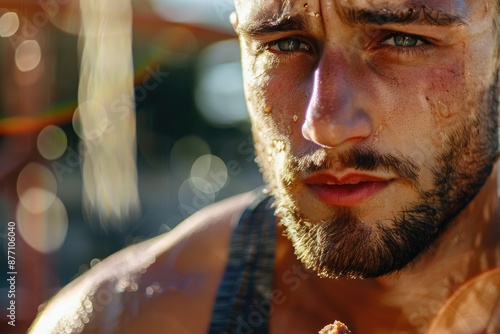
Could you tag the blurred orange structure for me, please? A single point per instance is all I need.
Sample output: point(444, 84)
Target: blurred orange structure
point(29, 103)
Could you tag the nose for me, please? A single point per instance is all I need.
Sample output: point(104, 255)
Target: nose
point(335, 114)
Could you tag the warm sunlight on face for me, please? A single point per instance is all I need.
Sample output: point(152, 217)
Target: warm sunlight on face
point(374, 121)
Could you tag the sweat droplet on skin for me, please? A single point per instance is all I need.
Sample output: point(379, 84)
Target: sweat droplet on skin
point(443, 109)
point(309, 11)
point(377, 133)
point(295, 118)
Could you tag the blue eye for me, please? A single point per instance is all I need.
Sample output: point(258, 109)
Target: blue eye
point(289, 44)
point(403, 40)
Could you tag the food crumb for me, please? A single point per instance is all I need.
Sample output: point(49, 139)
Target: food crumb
point(336, 328)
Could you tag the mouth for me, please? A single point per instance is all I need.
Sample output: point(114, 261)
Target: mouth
point(348, 190)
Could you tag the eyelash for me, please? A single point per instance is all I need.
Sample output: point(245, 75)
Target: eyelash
point(379, 46)
point(414, 50)
point(268, 46)
point(393, 34)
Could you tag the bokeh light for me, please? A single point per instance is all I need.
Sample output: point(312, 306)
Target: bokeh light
point(177, 40)
point(37, 200)
point(209, 173)
point(184, 153)
point(94, 262)
point(52, 142)
point(36, 176)
point(191, 199)
point(213, 14)
point(44, 231)
point(28, 55)
point(202, 185)
point(219, 92)
point(9, 24)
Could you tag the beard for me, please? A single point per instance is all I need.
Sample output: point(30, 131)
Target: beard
point(344, 246)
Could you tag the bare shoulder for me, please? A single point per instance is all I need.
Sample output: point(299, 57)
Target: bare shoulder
point(158, 285)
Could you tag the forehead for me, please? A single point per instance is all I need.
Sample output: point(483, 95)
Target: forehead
point(250, 11)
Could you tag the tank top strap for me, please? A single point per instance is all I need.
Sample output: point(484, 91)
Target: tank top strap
point(242, 304)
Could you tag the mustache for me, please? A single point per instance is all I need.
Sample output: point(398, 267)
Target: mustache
point(364, 159)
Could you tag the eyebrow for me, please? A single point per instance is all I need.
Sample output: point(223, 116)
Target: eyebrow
point(416, 14)
point(283, 23)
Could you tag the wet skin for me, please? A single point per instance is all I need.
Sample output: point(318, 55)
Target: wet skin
point(333, 86)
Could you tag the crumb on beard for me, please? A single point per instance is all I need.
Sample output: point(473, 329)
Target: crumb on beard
point(336, 328)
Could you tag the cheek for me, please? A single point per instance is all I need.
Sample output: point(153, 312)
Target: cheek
point(255, 83)
point(277, 101)
point(264, 113)
point(288, 105)
point(423, 104)
point(415, 111)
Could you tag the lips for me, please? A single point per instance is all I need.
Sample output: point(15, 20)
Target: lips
point(348, 190)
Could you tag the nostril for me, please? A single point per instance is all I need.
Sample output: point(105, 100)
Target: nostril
point(306, 131)
point(310, 133)
point(336, 128)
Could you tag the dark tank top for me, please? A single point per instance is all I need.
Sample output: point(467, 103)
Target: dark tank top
point(242, 304)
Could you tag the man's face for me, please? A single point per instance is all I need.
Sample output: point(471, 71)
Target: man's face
point(374, 121)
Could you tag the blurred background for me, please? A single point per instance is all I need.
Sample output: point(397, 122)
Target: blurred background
point(184, 126)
